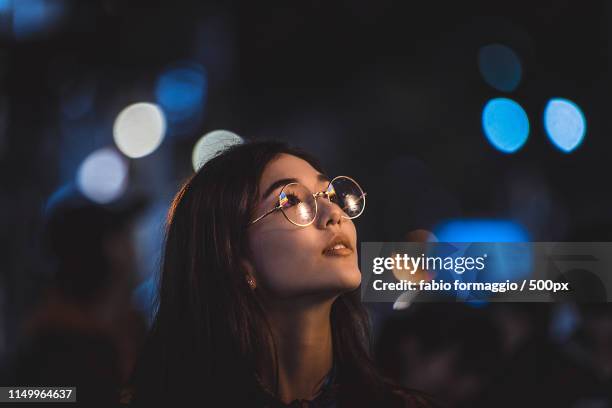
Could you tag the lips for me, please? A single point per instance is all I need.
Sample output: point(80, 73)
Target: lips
point(339, 245)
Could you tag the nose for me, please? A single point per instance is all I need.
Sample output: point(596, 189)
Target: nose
point(328, 213)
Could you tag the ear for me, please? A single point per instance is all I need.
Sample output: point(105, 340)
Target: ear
point(250, 273)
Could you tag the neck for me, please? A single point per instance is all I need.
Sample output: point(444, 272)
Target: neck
point(303, 339)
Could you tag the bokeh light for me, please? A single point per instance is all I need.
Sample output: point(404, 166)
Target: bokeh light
point(503, 261)
point(212, 144)
point(505, 124)
point(480, 230)
point(32, 17)
point(181, 91)
point(5, 6)
point(139, 129)
point(564, 123)
point(103, 176)
point(500, 67)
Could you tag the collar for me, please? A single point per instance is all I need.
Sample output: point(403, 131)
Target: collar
point(324, 398)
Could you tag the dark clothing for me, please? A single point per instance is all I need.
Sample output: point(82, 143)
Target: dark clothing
point(326, 397)
point(329, 393)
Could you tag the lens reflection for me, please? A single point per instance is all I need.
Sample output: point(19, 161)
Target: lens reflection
point(298, 204)
point(348, 195)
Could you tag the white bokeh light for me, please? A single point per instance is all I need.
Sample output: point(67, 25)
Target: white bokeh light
point(103, 176)
point(564, 123)
point(212, 144)
point(352, 202)
point(139, 129)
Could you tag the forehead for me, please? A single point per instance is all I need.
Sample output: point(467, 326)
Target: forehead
point(288, 166)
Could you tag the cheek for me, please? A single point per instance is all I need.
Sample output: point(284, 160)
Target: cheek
point(289, 263)
point(279, 258)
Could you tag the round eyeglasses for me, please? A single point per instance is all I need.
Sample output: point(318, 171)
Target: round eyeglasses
point(299, 205)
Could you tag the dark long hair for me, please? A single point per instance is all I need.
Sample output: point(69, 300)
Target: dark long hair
point(210, 332)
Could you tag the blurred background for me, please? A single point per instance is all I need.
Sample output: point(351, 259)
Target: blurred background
point(479, 121)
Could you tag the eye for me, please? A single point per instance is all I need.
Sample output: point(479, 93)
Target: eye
point(293, 199)
point(289, 199)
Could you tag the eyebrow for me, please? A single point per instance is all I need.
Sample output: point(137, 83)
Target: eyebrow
point(285, 181)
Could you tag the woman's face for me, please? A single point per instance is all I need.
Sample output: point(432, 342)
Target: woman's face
point(289, 260)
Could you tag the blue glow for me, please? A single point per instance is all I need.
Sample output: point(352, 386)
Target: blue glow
point(505, 124)
point(503, 262)
point(500, 67)
point(34, 16)
point(480, 230)
point(477, 303)
point(144, 299)
point(564, 322)
point(60, 195)
point(5, 6)
point(181, 91)
point(564, 123)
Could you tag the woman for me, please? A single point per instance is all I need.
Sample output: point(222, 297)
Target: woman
point(259, 303)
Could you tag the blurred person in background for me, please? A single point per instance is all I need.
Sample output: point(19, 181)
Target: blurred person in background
point(537, 370)
point(593, 339)
point(259, 302)
point(85, 332)
point(500, 355)
point(447, 349)
point(590, 348)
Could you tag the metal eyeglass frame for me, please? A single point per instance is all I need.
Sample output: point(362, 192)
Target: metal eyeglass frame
point(326, 193)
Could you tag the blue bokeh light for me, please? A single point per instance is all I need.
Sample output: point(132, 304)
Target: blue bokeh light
point(505, 124)
point(31, 17)
point(181, 91)
point(503, 261)
point(500, 67)
point(5, 6)
point(564, 123)
point(481, 230)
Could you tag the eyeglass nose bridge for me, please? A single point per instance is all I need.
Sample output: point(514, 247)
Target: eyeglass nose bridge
point(322, 193)
point(328, 195)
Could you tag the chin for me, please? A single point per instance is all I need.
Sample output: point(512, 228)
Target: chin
point(348, 280)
